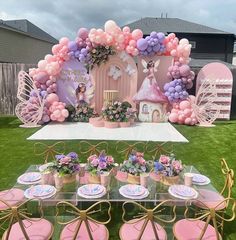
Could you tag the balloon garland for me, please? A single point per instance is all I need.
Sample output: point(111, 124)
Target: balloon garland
point(94, 46)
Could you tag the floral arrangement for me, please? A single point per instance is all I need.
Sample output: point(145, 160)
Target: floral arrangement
point(136, 164)
point(168, 165)
point(99, 164)
point(82, 113)
point(100, 54)
point(118, 112)
point(66, 164)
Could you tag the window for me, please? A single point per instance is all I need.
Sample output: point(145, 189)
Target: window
point(145, 109)
point(193, 43)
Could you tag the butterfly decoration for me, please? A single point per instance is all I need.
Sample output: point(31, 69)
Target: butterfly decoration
point(114, 72)
point(130, 70)
point(124, 56)
point(145, 65)
point(30, 108)
point(204, 106)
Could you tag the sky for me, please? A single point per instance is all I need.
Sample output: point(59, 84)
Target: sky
point(64, 17)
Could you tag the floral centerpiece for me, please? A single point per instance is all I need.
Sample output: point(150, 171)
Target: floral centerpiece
point(134, 166)
point(118, 112)
point(169, 167)
point(98, 164)
point(66, 167)
point(82, 113)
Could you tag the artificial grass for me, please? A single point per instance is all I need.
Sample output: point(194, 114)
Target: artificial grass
point(205, 149)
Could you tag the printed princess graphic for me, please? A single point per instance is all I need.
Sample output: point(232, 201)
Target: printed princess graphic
point(152, 101)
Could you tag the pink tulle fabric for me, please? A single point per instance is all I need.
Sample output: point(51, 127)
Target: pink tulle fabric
point(150, 91)
point(186, 229)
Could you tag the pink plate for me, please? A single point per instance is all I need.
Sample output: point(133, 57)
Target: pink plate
point(41, 190)
point(30, 177)
point(183, 190)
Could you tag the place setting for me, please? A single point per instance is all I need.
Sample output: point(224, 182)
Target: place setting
point(91, 191)
point(29, 178)
point(133, 191)
point(40, 191)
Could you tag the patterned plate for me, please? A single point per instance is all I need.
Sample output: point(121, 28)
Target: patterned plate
point(44, 167)
point(133, 190)
point(41, 190)
point(91, 189)
point(183, 190)
point(199, 178)
point(30, 177)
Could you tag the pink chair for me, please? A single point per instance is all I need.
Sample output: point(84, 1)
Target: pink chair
point(12, 197)
point(145, 226)
point(199, 228)
point(83, 226)
point(21, 226)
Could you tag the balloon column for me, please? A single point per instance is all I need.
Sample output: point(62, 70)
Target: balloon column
point(112, 37)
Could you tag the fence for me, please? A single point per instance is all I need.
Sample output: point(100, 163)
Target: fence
point(8, 85)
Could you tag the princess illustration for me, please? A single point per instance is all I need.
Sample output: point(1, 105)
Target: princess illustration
point(81, 93)
point(150, 90)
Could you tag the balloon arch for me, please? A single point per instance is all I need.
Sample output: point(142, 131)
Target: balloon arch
point(93, 47)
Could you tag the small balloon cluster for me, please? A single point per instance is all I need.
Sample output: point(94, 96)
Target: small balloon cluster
point(151, 45)
point(183, 113)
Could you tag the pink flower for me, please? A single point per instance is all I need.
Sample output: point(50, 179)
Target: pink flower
point(139, 154)
point(95, 162)
point(164, 159)
point(92, 157)
point(65, 160)
point(142, 161)
point(177, 165)
point(110, 160)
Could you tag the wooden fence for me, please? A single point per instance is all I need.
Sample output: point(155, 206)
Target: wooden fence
point(8, 85)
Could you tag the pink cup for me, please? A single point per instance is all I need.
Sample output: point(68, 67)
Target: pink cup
point(144, 179)
point(105, 179)
point(188, 179)
point(47, 178)
point(82, 169)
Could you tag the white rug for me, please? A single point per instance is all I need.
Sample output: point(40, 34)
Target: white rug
point(158, 132)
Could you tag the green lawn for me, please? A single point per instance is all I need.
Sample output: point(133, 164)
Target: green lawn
point(205, 148)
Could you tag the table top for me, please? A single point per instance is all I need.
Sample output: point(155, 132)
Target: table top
point(156, 132)
point(158, 191)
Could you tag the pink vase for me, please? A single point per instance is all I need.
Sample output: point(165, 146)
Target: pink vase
point(124, 124)
point(96, 122)
point(111, 124)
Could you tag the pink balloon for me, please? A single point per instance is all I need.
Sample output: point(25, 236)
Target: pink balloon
point(173, 117)
point(110, 26)
point(187, 112)
point(53, 118)
point(57, 113)
point(184, 104)
point(52, 98)
point(137, 34)
point(42, 64)
point(132, 43)
point(187, 121)
point(61, 119)
point(126, 29)
point(64, 40)
point(65, 113)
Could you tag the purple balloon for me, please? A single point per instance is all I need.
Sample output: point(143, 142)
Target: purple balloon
point(161, 36)
point(171, 89)
point(72, 46)
point(178, 88)
point(83, 33)
point(153, 34)
point(149, 49)
point(156, 48)
point(142, 44)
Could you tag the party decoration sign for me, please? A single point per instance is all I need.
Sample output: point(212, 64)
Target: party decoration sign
point(74, 84)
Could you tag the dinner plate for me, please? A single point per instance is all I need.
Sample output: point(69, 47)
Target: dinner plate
point(80, 193)
point(29, 193)
point(44, 167)
point(91, 189)
point(133, 190)
point(29, 178)
point(146, 193)
point(183, 190)
point(41, 190)
point(187, 194)
point(199, 179)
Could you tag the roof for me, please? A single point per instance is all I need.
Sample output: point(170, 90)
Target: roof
point(25, 27)
point(169, 25)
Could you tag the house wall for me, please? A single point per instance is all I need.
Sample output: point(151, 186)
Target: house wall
point(211, 46)
point(19, 48)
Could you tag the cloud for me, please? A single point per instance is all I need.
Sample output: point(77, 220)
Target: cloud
point(63, 18)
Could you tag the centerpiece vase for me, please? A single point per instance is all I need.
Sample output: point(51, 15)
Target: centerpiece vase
point(166, 180)
point(69, 178)
point(133, 179)
point(124, 124)
point(94, 178)
point(111, 124)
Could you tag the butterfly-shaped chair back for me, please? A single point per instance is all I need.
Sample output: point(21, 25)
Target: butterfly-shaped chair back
point(49, 151)
point(229, 179)
point(210, 215)
point(13, 214)
point(152, 215)
point(83, 216)
point(123, 147)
